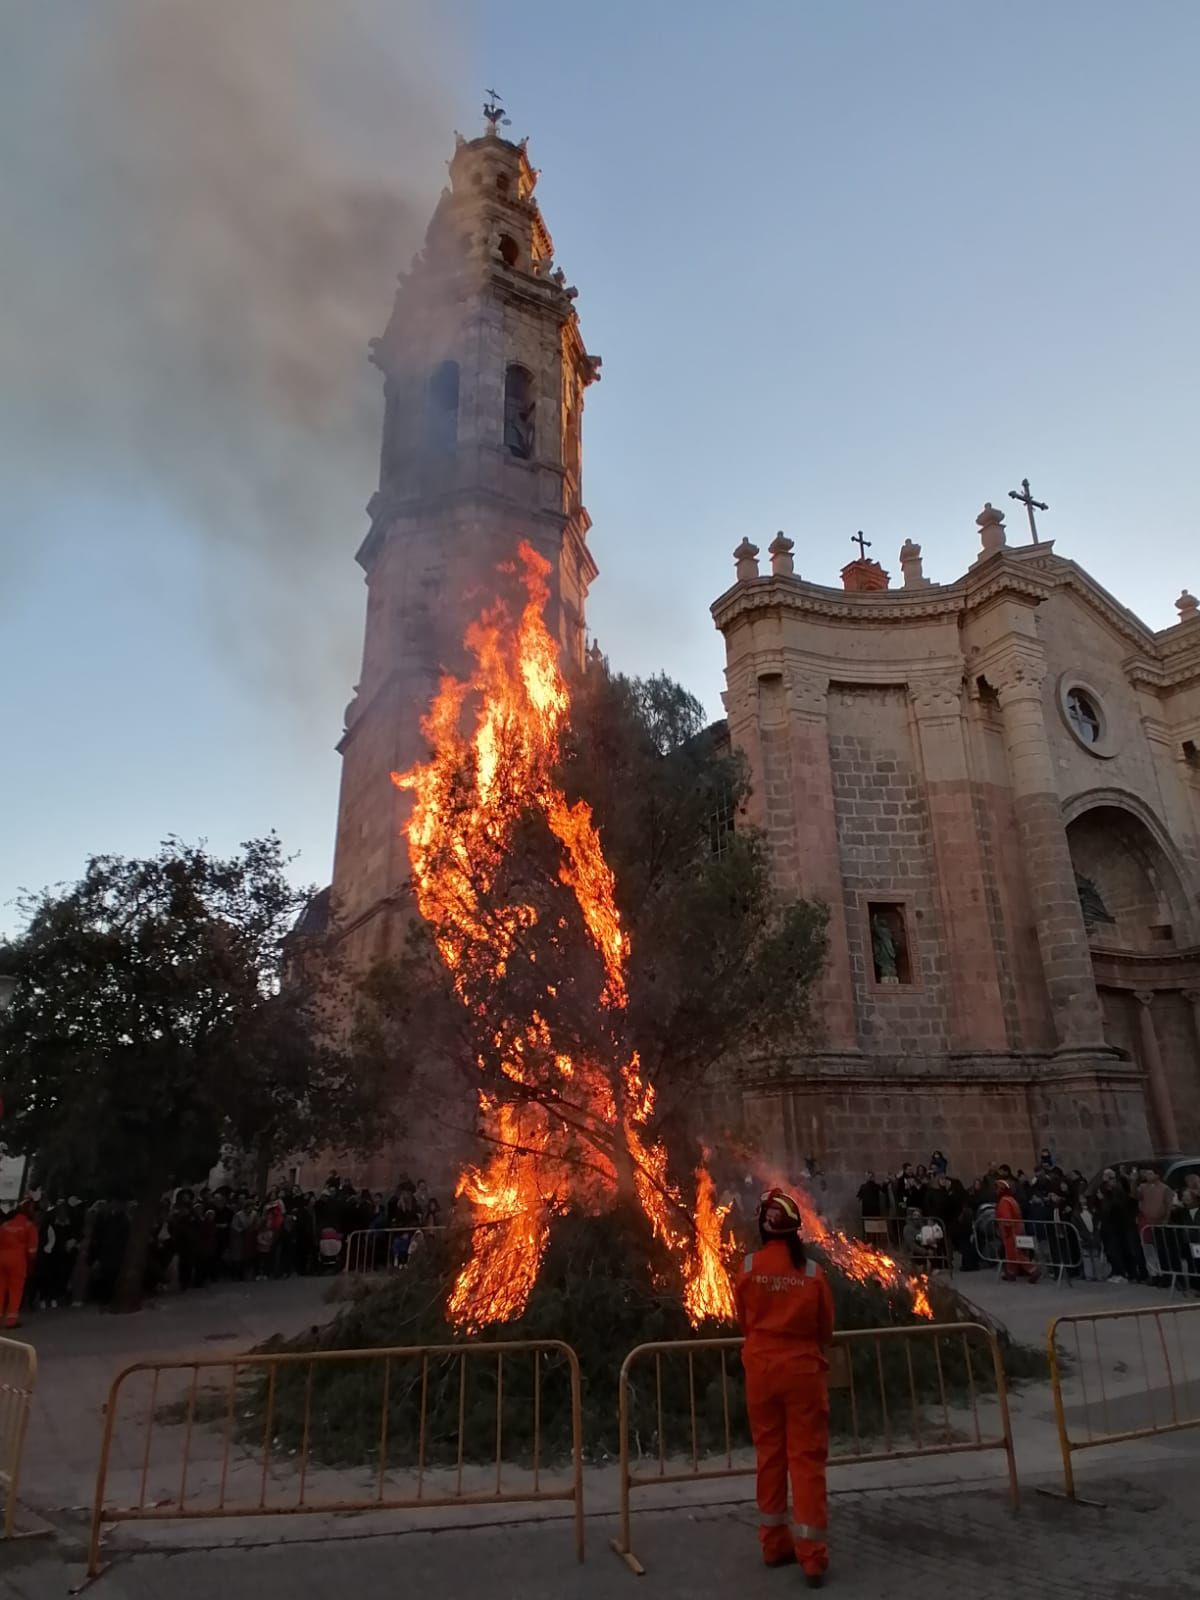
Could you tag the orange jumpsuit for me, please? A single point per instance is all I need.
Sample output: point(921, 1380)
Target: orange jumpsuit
point(1008, 1220)
point(786, 1315)
point(18, 1250)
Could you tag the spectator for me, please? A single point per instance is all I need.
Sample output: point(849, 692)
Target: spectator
point(938, 1164)
point(1118, 1230)
point(1154, 1202)
point(872, 1197)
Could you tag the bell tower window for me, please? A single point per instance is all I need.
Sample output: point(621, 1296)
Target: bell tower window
point(519, 412)
point(441, 409)
point(510, 250)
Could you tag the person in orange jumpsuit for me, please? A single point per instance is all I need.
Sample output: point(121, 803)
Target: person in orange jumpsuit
point(18, 1252)
point(1009, 1221)
point(785, 1309)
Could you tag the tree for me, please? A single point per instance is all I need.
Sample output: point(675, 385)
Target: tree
point(507, 975)
point(148, 1028)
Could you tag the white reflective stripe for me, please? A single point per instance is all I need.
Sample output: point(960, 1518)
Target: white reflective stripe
point(811, 1269)
point(805, 1530)
point(772, 1519)
point(748, 1264)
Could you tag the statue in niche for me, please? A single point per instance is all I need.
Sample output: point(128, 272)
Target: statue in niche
point(885, 950)
point(1091, 902)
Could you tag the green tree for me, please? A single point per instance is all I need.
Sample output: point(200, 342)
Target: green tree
point(148, 1029)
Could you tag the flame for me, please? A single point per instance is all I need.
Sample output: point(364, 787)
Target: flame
point(582, 1121)
point(859, 1261)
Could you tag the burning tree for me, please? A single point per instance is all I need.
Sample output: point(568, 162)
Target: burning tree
point(583, 1042)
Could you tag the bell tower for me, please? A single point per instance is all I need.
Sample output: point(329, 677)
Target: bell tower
point(484, 371)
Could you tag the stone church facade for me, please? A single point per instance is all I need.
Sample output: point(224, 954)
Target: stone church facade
point(994, 786)
point(993, 783)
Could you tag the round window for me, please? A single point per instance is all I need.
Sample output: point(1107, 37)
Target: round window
point(1083, 717)
point(1082, 709)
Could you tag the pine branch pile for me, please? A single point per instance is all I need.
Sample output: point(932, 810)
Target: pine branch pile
point(605, 1286)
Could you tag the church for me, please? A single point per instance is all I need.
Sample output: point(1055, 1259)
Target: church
point(993, 783)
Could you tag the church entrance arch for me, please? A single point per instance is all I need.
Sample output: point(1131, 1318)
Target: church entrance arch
point(1130, 887)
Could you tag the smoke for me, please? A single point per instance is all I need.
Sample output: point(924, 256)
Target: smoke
point(205, 204)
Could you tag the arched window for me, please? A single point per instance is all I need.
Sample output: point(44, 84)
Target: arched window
point(441, 409)
point(502, 183)
point(510, 250)
point(519, 413)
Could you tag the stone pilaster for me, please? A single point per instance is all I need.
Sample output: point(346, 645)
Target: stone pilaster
point(976, 1008)
point(1192, 996)
point(1165, 1130)
point(794, 736)
point(1045, 853)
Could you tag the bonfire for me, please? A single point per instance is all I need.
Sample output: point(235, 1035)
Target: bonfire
point(569, 1131)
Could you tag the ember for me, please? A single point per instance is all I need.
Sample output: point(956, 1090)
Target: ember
point(505, 766)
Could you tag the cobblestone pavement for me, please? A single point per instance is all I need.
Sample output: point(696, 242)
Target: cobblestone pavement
point(1143, 1545)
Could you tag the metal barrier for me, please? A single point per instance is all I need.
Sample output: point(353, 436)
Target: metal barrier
point(925, 1252)
point(382, 1249)
point(878, 1406)
point(1031, 1248)
point(1120, 1409)
point(18, 1375)
point(267, 1439)
point(1172, 1251)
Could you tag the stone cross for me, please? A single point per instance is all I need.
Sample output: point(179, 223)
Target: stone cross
point(1027, 500)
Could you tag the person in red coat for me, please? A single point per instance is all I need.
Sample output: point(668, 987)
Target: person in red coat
point(785, 1309)
point(18, 1252)
point(1017, 1264)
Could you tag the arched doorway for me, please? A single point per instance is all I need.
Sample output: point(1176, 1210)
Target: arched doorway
point(1142, 933)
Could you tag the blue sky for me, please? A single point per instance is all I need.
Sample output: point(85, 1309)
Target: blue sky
point(848, 265)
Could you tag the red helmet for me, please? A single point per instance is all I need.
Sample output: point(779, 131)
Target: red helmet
point(778, 1214)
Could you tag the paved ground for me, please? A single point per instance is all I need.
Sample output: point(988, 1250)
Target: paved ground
point(897, 1528)
point(1143, 1546)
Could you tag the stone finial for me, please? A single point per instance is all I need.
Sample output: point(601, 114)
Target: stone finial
point(991, 531)
point(746, 556)
point(781, 548)
point(910, 566)
point(1187, 606)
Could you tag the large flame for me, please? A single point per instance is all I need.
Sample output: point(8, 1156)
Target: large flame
point(581, 1121)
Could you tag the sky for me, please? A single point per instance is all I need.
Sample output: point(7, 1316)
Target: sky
point(849, 265)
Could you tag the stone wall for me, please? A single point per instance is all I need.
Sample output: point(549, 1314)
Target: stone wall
point(886, 855)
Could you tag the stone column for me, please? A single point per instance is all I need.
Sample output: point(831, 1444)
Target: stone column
point(1156, 1075)
point(817, 861)
point(976, 1009)
point(1062, 936)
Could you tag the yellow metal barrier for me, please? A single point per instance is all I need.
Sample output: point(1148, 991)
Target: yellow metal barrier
point(18, 1375)
point(264, 1440)
point(1115, 1411)
point(883, 1416)
point(383, 1249)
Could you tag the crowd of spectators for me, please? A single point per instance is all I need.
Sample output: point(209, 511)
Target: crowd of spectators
point(224, 1234)
point(1127, 1219)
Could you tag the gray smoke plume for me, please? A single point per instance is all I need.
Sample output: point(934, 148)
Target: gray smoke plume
point(204, 205)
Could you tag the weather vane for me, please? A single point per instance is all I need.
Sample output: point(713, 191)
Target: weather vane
point(494, 112)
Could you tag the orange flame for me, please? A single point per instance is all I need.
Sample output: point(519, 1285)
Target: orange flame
point(859, 1261)
point(468, 799)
